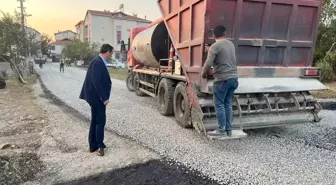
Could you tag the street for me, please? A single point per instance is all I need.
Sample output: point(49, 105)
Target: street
point(299, 154)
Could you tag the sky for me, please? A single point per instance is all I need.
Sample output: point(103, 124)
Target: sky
point(49, 16)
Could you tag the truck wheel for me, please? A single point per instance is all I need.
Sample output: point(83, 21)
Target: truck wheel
point(165, 97)
point(129, 82)
point(181, 106)
point(136, 86)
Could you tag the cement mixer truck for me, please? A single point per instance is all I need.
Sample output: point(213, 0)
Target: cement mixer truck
point(274, 42)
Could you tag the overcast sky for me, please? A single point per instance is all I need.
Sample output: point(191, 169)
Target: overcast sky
point(48, 16)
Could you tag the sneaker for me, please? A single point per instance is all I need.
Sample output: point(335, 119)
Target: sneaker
point(229, 133)
point(216, 133)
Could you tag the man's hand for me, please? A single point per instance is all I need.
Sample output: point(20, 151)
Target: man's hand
point(204, 75)
point(106, 102)
point(207, 48)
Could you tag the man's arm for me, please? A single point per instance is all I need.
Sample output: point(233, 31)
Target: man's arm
point(209, 61)
point(96, 80)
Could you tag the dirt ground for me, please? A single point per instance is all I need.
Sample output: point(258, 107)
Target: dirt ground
point(45, 142)
point(21, 122)
point(327, 94)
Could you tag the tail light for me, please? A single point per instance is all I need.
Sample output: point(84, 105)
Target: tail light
point(312, 72)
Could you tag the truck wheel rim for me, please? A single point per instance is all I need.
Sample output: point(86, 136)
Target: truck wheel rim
point(180, 105)
point(162, 95)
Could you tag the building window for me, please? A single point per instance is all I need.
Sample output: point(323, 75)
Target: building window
point(118, 36)
point(118, 28)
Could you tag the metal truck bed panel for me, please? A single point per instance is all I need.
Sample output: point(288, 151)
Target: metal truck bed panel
point(265, 32)
point(263, 120)
point(274, 85)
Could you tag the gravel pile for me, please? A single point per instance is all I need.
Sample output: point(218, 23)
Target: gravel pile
point(301, 154)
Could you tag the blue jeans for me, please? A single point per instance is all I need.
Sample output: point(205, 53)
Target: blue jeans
point(223, 94)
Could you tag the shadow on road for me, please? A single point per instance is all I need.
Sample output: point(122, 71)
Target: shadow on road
point(154, 172)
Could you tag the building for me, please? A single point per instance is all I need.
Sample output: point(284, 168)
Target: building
point(65, 35)
point(108, 27)
point(63, 38)
point(34, 38)
point(80, 30)
point(57, 47)
point(32, 34)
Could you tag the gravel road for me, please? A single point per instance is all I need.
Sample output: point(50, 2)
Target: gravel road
point(299, 154)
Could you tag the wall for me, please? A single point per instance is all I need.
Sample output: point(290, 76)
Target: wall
point(87, 29)
point(64, 35)
point(124, 26)
point(80, 32)
point(57, 50)
point(102, 29)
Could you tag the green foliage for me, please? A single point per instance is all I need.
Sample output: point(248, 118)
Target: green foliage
point(45, 43)
point(80, 49)
point(11, 35)
point(325, 50)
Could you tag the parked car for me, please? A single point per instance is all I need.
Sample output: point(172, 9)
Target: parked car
point(116, 64)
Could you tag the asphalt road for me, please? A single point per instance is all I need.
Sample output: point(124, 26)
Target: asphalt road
point(298, 154)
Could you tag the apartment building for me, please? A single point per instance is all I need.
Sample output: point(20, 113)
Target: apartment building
point(108, 27)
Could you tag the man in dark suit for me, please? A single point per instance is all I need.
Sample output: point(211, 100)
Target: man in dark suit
point(96, 91)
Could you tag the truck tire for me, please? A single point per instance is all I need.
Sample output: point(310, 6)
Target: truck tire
point(165, 97)
point(2, 83)
point(129, 82)
point(136, 86)
point(182, 110)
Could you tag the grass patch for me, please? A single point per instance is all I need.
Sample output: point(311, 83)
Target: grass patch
point(119, 74)
point(327, 94)
point(14, 81)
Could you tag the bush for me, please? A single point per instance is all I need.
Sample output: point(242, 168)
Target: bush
point(328, 67)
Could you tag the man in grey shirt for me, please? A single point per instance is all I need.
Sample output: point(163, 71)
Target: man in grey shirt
point(222, 56)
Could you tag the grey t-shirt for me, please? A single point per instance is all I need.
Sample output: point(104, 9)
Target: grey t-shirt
point(222, 56)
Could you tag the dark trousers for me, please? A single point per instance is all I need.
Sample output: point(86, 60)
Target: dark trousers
point(62, 68)
point(98, 121)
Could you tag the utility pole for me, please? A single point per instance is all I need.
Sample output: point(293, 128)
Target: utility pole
point(22, 15)
point(23, 18)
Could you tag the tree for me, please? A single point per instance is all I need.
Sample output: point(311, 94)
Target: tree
point(325, 51)
point(14, 44)
point(45, 43)
point(80, 50)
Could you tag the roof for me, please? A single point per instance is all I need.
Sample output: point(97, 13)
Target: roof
point(32, 29)
point(61, 42)
point(111, 14)
point(80, 22)
point(65, 31)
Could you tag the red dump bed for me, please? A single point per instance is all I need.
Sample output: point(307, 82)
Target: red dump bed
point(272, 33)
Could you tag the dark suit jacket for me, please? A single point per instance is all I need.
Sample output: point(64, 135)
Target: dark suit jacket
point(97, 84)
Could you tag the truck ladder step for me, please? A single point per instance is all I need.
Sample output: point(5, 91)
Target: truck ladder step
point(236, 134)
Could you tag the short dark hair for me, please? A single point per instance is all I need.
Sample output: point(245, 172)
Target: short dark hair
point(106, 48)
point(219, 31)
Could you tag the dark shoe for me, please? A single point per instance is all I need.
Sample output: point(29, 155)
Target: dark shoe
point(100, 152)
point(229, 133)
point(93, 149)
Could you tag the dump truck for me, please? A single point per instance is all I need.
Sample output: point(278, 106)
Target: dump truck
point(274, 41)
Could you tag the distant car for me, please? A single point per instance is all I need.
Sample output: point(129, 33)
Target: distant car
point(116, 64)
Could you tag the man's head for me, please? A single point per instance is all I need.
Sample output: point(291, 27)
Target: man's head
point(219, 31)
point(106, 51)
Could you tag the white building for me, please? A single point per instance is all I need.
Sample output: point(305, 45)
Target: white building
point(80, 30)
point(107, 27)
point(32, 34)
point(65, 35)
point(57, 47)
